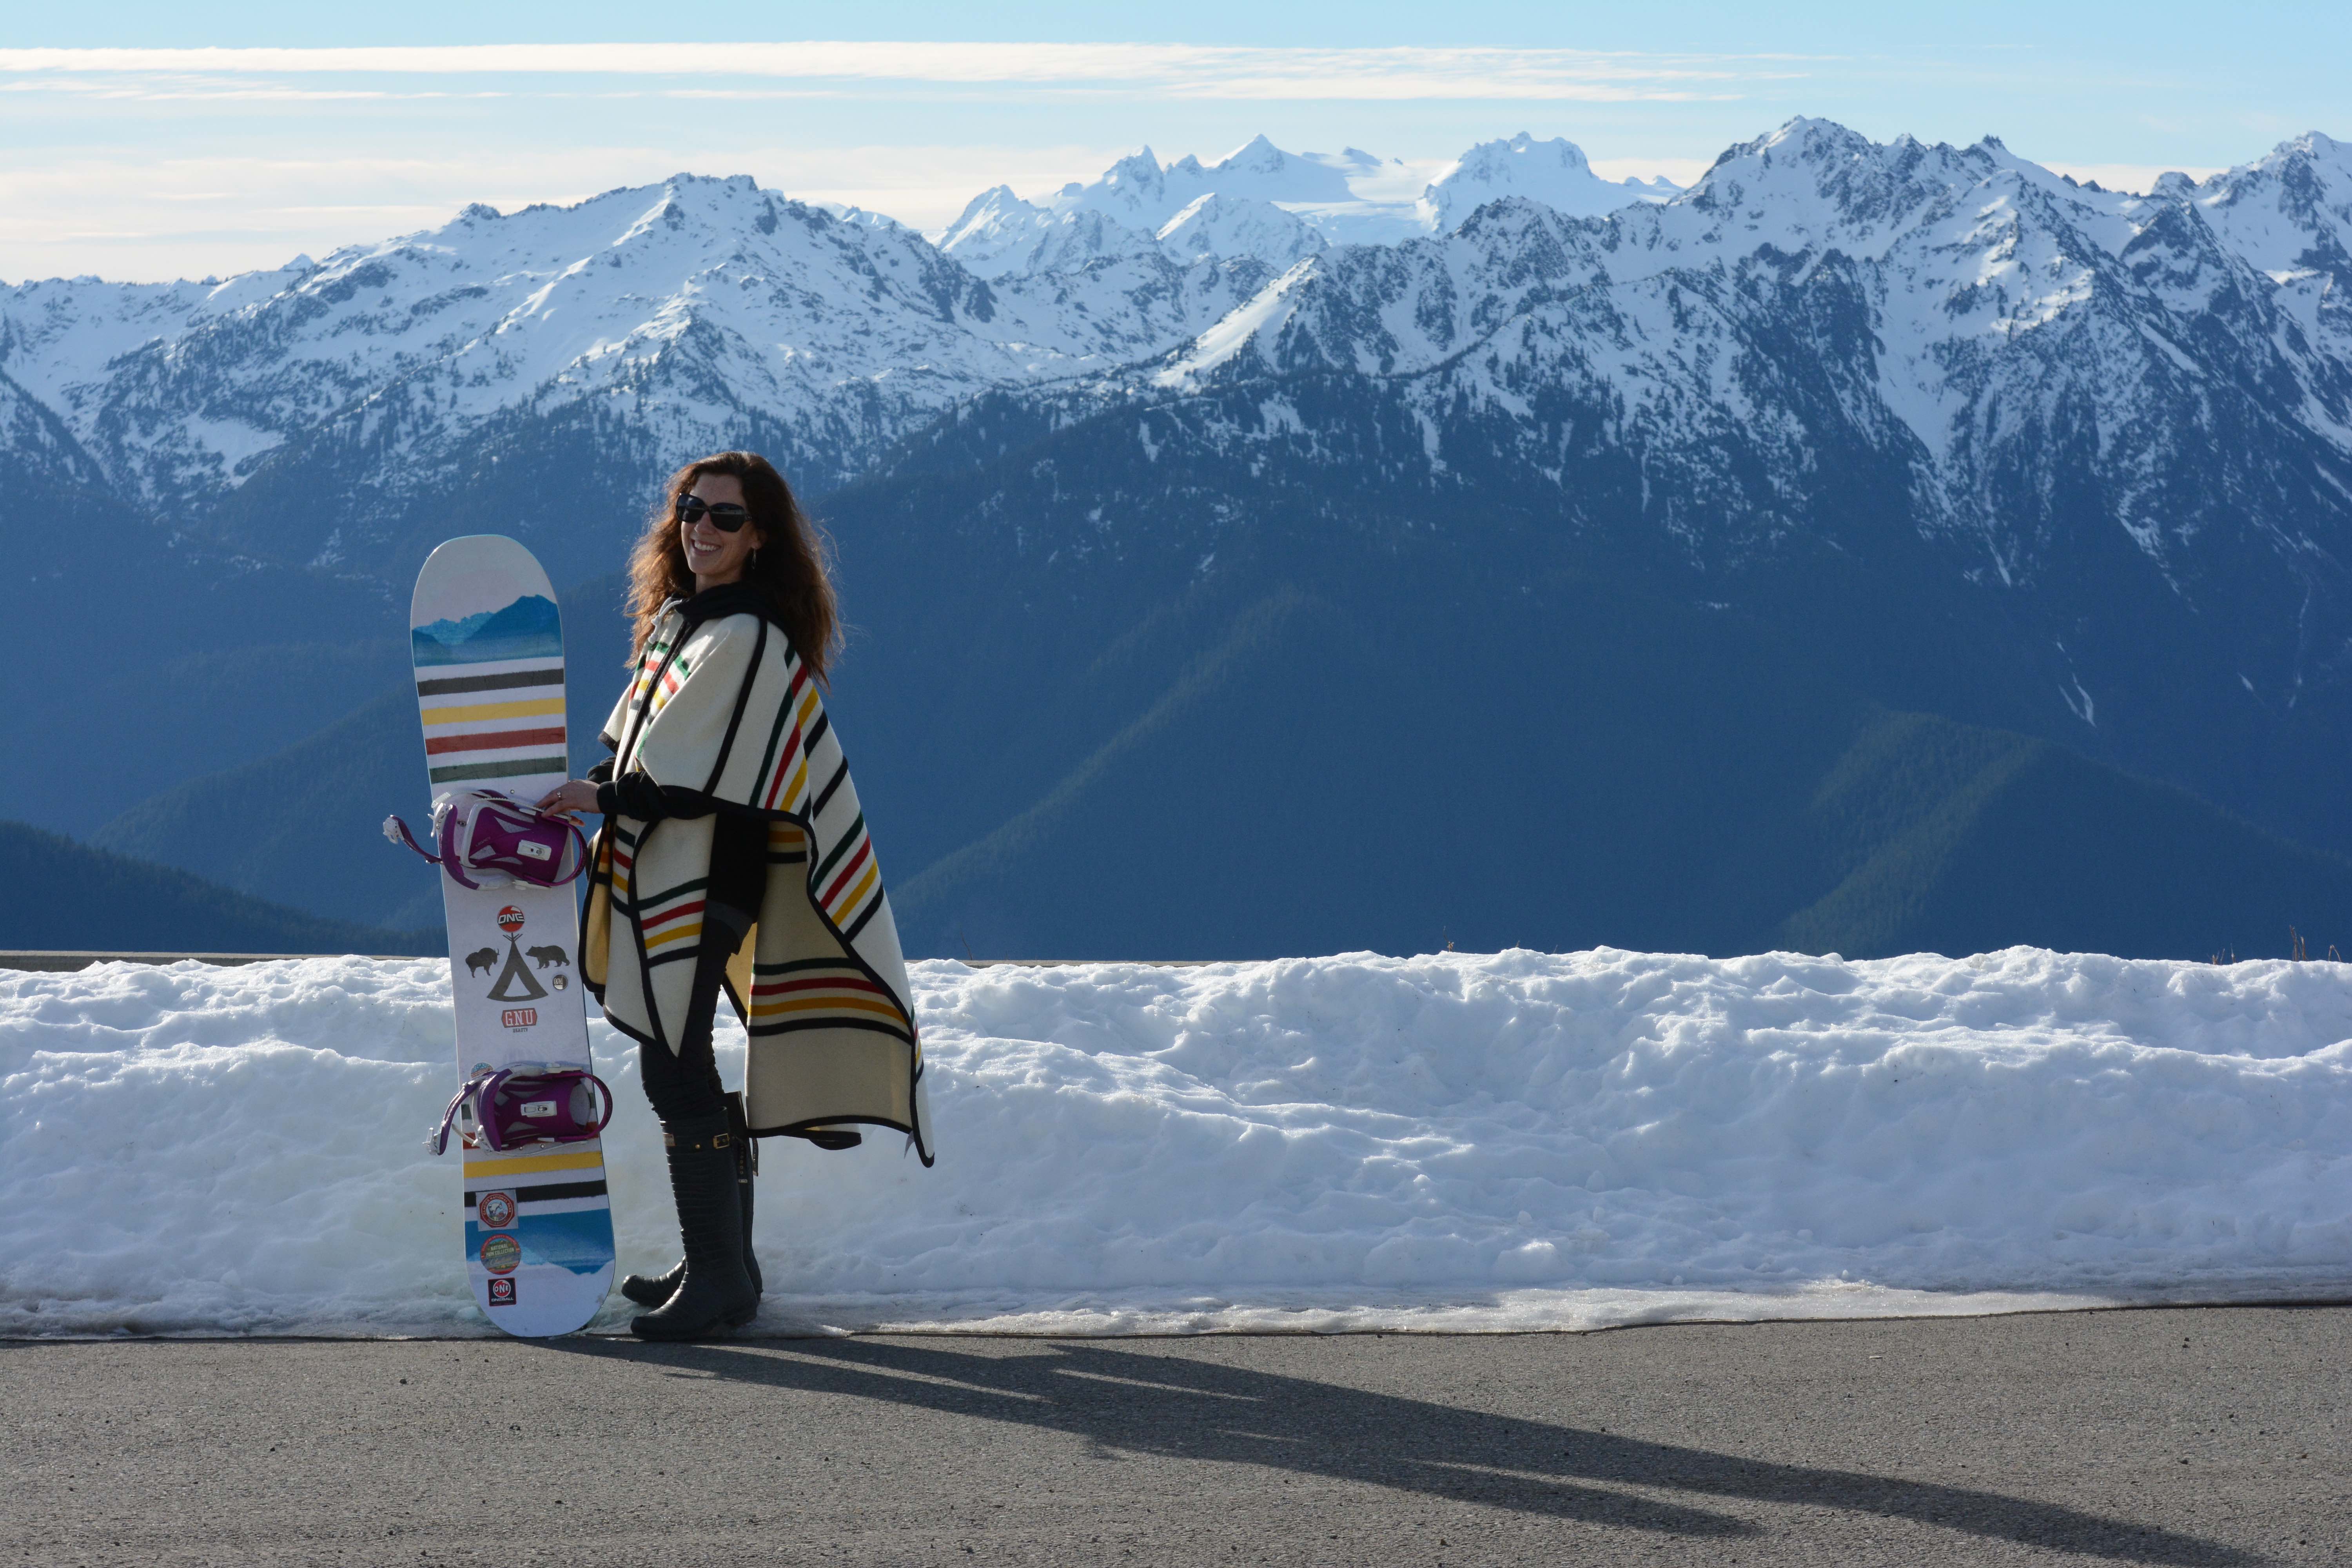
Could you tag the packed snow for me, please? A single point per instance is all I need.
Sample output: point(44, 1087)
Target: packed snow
point(1519, 1141)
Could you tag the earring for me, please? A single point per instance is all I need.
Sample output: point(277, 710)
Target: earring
point(755, 558)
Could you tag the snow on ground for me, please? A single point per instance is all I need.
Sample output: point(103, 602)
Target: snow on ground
point(1507, 1141)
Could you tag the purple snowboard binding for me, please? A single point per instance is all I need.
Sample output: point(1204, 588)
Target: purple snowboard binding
point(520, 1105)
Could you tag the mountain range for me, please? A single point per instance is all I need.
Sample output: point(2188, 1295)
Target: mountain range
point(1861, 511)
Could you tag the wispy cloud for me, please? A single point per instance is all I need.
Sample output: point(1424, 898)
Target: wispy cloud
point(185, 216)
point(1166, 69)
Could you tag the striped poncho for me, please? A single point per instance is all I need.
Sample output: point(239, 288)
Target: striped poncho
point(723, 714)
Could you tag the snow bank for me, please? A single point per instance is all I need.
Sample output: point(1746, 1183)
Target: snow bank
point(1519, 1141)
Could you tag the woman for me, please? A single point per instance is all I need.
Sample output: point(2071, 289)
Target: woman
point(734, 858)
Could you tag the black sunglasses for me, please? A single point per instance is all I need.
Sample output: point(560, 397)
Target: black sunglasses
point(726, 517)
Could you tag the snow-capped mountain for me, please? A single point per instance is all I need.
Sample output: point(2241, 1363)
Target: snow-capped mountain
point(1272, 204)
point(686, 315)
point(1554, 172)
point(1997, 303)
point(1927, 424)
point(2118, 427)
point(2111, 433)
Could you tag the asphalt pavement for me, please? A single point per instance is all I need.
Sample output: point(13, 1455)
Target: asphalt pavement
point(2167, 1436)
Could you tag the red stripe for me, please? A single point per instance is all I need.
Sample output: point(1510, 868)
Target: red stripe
point(792, 750)
point(855, 861)
point(777, 987)
point(669, 915)
point(493, 739)
point(791, 692)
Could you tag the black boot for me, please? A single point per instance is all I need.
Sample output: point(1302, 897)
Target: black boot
point(715, 1292)
point(653, 1289)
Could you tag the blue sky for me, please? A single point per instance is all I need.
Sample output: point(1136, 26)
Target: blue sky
point(124, 152)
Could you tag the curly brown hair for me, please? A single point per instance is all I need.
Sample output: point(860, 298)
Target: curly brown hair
point(789, 566)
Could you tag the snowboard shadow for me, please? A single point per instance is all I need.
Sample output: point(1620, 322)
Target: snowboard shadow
point(1142, 1402)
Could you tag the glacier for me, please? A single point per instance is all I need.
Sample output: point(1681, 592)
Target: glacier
point(1505, 1141)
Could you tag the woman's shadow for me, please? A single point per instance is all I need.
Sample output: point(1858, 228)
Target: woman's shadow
point(1139, 1401)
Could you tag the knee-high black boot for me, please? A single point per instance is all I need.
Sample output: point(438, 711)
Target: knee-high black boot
point(653, 1289)
point(715, 1291)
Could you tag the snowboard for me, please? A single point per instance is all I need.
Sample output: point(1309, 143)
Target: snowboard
point(486, 639)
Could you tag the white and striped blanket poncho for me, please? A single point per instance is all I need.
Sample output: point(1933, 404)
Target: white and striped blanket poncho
point(727, 708)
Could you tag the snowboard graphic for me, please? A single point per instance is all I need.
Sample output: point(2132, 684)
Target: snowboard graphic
point(489, 649)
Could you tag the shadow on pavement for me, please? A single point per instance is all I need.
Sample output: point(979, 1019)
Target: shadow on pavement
point(1143, 1402)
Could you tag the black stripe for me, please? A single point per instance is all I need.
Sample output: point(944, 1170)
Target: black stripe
point(850, 965)
point(643, 901)
point(521, 767)
point(871, 910)
point(848, 837)
point(456, 683)
point(835, 1021)
point(547, 1192)
point(825, 795)
point(735, 720)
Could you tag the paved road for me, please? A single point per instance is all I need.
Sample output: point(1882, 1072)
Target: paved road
point(2178, 1437)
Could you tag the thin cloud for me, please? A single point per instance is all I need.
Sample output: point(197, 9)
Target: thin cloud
point(1183, 71)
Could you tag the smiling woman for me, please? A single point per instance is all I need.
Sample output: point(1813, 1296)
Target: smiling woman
point(735, 859)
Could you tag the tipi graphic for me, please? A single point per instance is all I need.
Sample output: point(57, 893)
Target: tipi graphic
point(515, 983)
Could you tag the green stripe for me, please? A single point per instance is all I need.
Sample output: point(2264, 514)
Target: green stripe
point(843, 965)
point(515, 769)
point(784, 712)
point(647, 900)
point(849, 836)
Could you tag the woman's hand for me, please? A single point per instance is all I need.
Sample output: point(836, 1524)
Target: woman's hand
point(569, 800)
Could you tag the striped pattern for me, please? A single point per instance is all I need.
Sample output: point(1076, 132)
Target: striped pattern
point(653, 680)
point(500, 723)
point(847, 883)
point(559, 1157)
point(728, 708)
point(800, 720)
point(669, 918)
point(819, 994)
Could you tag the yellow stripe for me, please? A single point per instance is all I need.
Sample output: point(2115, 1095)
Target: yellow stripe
point(680, 934)
point(532, 1164)
point(858, 893)
point(480, 711)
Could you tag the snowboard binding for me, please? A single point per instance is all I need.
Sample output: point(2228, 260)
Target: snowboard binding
point(529, 1104)
point(487, 839)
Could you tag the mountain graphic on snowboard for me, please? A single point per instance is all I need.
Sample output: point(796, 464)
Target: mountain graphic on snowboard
point(529, 627)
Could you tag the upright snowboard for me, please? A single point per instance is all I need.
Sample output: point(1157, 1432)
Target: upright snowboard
point(487, 641)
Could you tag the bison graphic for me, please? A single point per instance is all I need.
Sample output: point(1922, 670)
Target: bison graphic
point(480, 959)
point(543, 956)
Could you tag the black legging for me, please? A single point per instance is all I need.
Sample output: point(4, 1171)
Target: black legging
point(684, 1086)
